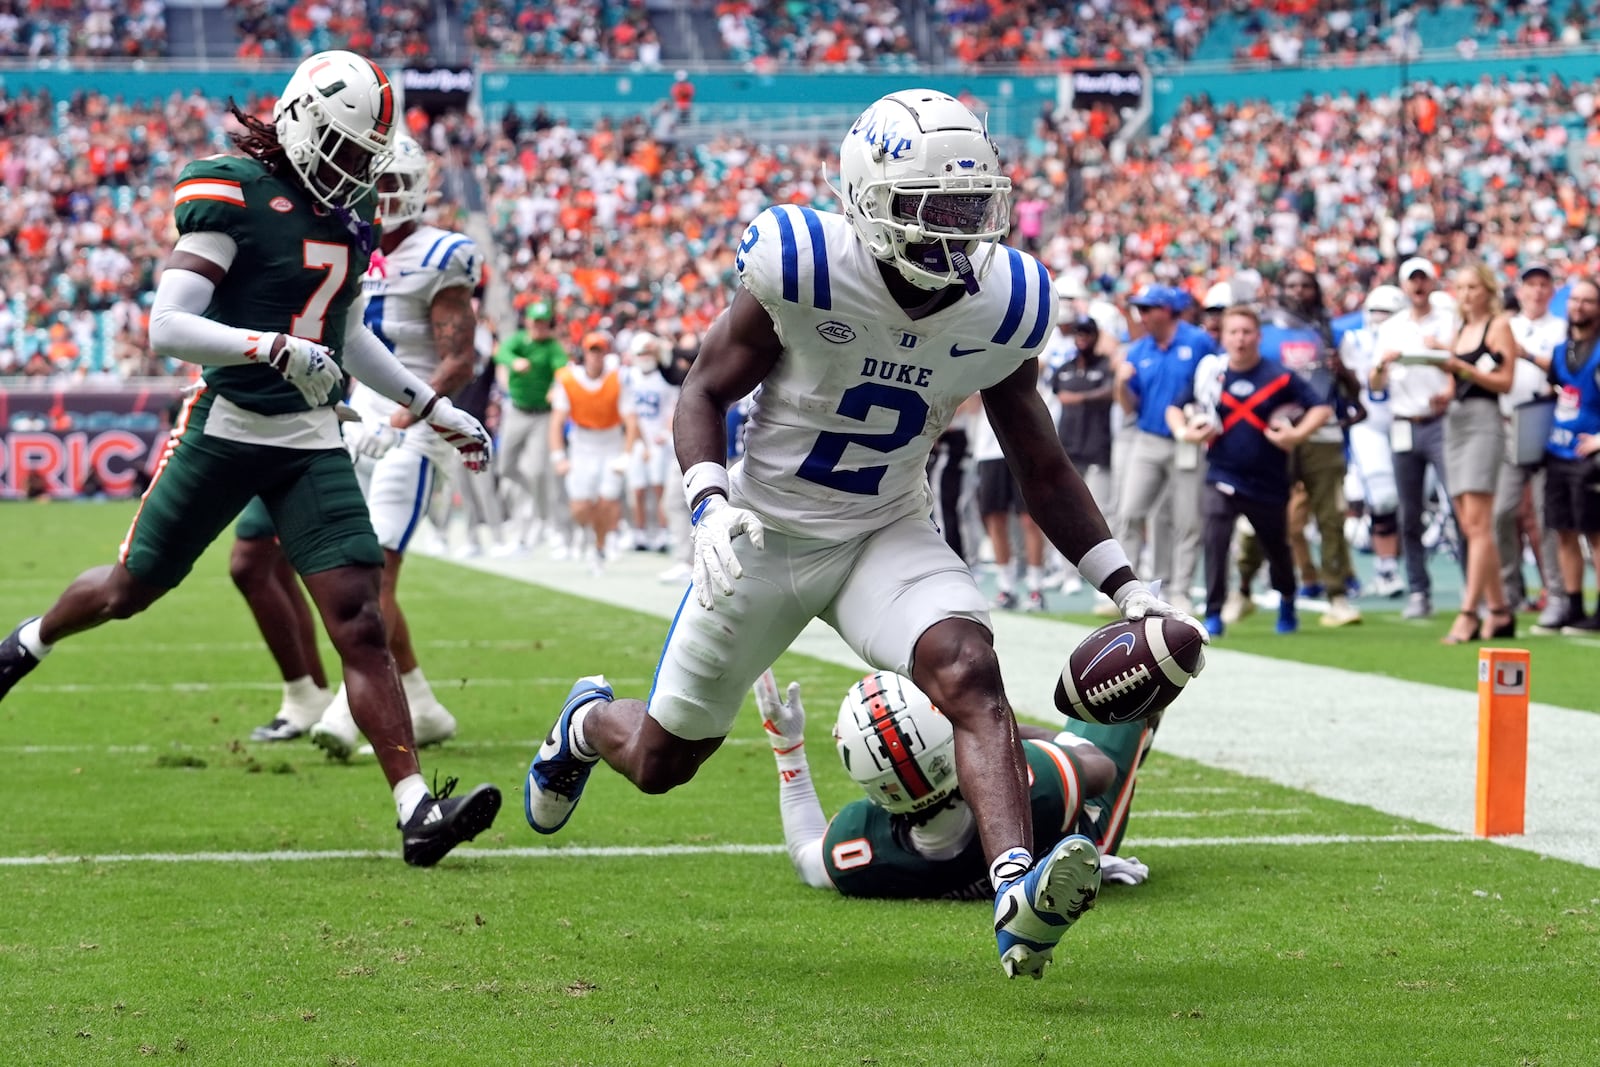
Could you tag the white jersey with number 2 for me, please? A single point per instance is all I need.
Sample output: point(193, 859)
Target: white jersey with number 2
point(841, 429)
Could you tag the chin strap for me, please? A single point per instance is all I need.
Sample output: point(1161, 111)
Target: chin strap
point(964, 271)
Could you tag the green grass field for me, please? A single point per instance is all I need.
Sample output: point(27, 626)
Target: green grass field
point(129, 742)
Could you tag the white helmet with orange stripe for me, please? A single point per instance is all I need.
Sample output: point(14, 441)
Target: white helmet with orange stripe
point(897, 746)
point(335, 121)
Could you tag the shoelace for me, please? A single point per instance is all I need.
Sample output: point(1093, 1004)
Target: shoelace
point(449, 787)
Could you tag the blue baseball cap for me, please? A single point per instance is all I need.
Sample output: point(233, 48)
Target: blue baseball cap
point(1161, 296)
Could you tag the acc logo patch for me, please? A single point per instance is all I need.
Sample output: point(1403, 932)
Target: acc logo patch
point(836, 332)
point(281, 203)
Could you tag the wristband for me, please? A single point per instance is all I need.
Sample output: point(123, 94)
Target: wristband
point(1102, 561)
point(423, 404)
point(702, 477)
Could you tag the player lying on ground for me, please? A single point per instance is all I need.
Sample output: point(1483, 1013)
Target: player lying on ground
point(913, 836)
point(864, 332)
point(295, 216)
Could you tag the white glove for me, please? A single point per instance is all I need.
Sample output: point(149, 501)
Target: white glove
point(715, 564)
point(371, 439)
point(1142, 601)
point(1123, 870)
point(783, 720)
point(306, 365)
point(461, 432)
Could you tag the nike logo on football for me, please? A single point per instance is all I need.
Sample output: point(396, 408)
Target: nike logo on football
point(956, 351)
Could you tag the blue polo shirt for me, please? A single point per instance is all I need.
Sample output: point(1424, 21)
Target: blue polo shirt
point(1161, 374)
point(1242, 458)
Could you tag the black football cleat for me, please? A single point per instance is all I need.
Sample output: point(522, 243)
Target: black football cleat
point(442, 822)
point(15, 661)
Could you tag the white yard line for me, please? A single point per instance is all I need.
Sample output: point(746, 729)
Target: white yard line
point(635, 851)
point(1400, 747)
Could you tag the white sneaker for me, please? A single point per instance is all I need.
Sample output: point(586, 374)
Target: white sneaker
point(336, 733)
point(1389, 586)
point(676, 574)
point(1182, 602)
point(1340, 612)
point(431, 724)
point(1236, 607)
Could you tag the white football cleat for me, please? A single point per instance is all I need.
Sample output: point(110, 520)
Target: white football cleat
point(1033, 911)
point(336, 732)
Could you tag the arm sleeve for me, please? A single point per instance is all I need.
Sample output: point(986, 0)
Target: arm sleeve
point(804, 826)
point(371, 363)
point(180, 329)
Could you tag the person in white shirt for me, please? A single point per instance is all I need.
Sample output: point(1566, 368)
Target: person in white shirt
point(1537, 332)
point(653, 398)
point(1419, 395)
point(1370, 477)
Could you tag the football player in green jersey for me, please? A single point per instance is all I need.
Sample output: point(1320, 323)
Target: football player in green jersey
point(912, 835)
point(258, 290)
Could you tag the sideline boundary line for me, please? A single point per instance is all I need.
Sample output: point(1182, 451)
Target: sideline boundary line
point(647, 851)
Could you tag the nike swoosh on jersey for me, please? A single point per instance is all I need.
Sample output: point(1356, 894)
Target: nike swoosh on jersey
point(956, 351)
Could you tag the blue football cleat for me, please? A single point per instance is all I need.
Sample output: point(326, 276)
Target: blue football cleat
point(1288, 618)
point(1032, 912)
point(558, 773)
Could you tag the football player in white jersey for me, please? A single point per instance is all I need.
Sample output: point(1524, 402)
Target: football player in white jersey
point(419, 302)
point(1370, 476)
point(861, 334)
point(653, 398)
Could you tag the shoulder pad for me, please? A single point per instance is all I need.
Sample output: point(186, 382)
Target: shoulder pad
point(1031, 305)
point(455, 256)
point(783, 258)
point(210, 194)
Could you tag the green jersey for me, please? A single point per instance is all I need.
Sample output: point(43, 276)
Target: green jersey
point(297, 271)
point(529, 390)
point(868, 852)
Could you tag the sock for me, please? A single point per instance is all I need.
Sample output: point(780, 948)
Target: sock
point(28, 636)
point(1387, 566)
point(1035, 578)
point(1005, 576)
point(1574, 608)
point(303, 691)
point(409, 792)
point(580, 743)
point(1010, 865)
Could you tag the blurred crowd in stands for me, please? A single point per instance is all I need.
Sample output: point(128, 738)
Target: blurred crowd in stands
point(620, 214)
point(1043, 34)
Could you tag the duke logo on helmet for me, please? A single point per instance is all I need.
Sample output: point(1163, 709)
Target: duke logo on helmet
point(923, 188)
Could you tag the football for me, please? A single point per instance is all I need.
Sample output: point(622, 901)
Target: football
point(1127, 671)
point(1287, 417)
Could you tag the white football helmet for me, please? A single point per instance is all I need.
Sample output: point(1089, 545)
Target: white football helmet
point(335, 120)
point(1384, 301)
point(923, 187)
point(405, 184)
point(896, 745)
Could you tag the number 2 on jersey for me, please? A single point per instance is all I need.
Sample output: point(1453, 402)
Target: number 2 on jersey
point(822, 465)
point(335, 259)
